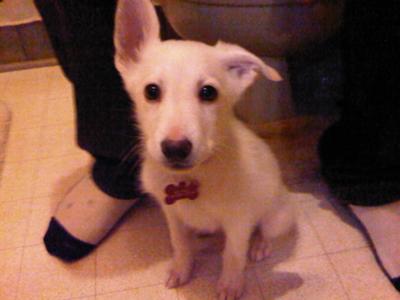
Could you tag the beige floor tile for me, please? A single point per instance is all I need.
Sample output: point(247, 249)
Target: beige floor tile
point(205, 287)
point(13, 213)
point(158, 292)
point(17, 180)
point(10, 262)
point(45, 277)
point(55, 176)
point(58, 140)
point(60, 87)
point(361, 276)
point(132, 259)
point(37, 227)
point(12, 236)
point(26, 90)
point(3, 83)
point(27, 113)
point(13, 223)
point(300, 243)
point(33, 74)
point(310, 278)
point(52, 72)
point(42, 210)
point(23, 145)
point(60, 111)
point(336, 232)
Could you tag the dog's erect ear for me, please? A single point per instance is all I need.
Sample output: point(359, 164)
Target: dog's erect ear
point(136, 25)
point(244, 66)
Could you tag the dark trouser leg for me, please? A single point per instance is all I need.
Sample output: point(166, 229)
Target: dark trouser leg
point(81, 33)
point(360, 154)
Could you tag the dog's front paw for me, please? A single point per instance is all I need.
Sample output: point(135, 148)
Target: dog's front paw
point(178, 275)
point(259, 250)
point(231, 289)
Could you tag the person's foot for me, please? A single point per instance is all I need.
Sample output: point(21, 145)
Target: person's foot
point(82, 220)
point(381, 226)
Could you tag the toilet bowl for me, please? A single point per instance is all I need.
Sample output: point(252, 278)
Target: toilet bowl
point(272, 29)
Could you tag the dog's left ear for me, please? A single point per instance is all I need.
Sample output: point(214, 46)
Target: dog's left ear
point(244, 66)
point(136, 26)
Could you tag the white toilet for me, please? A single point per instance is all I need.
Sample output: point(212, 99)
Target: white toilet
point(272, 29)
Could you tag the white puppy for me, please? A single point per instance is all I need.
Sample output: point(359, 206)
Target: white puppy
point(206, 169)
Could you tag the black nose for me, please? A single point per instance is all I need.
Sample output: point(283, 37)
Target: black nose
point(176, 151)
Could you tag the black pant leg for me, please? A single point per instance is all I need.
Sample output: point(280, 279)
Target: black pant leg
point(81, 33)
point(360, 154)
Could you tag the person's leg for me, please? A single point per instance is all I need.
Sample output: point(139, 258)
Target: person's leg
point(81, 34)
point(360, 154)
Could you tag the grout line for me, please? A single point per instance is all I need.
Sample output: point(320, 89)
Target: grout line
point(11, 248)
point(131, 289)
point(14, 74)
point(339, 277)
point(13, 130)
point(23, 199)
point(273, 263)
point(32, 245)
point(61, 98)
point(307, 218)
point(32, 198)
point(30, 202)
point(28, 222)
point(83, 297)
point(348, 250)
point(19, 281)
point(96, 257)
point(78, 152)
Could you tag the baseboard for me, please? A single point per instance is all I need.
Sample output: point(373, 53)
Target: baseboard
point(28, 64)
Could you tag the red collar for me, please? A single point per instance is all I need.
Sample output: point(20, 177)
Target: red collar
point(182, 190)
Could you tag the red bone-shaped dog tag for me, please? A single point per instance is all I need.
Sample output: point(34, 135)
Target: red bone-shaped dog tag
point(183, 190)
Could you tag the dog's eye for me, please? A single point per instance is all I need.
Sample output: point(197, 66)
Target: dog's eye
point(152, 92)
point(208, 93)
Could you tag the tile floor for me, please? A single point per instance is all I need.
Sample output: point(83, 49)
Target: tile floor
point(326, 258)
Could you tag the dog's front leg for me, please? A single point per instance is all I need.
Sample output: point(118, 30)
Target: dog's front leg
point(232, 281)
point(182, 244)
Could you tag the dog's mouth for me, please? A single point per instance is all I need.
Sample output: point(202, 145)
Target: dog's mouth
point(178, 165)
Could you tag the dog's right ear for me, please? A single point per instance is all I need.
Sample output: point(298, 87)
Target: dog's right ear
point(243, 66)
point(136, 26)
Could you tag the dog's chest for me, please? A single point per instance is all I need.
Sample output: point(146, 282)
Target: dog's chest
point(198, 214)
point(204, 212)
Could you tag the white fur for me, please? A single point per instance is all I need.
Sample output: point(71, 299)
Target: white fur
point(240, 182)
